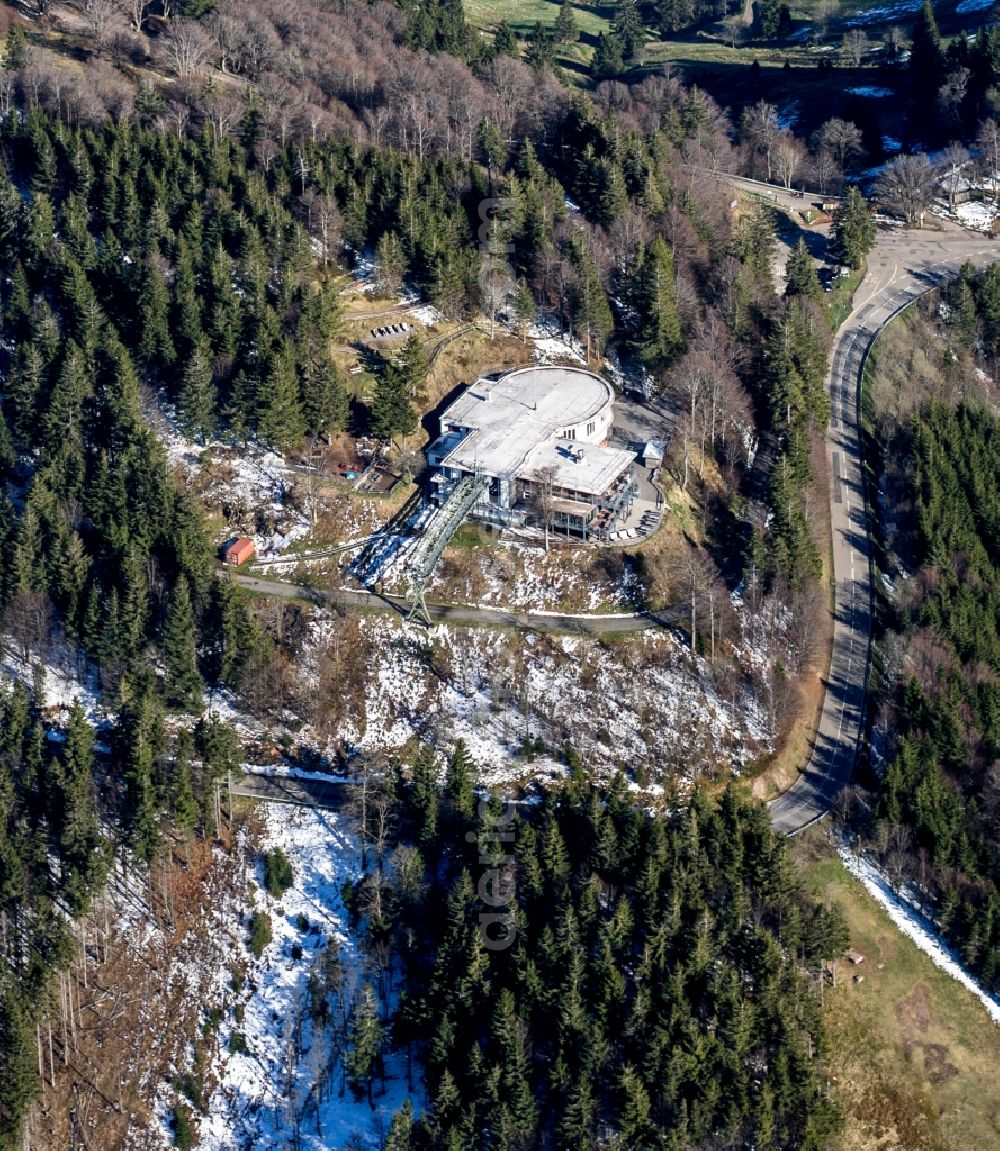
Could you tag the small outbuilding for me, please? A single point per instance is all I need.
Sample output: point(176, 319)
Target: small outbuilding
point(238, 551)
point(653, 452)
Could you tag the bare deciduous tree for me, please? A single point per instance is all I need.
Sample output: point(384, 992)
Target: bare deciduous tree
point(703, 590)
point(854, 46)
point(951, 96)
point(842, 139)
point(103, 17)
point(28, 621)
point(222, 109)
point(760, 131)
point(906, 183)
point(789, 158)
point(543, 498)
point(988, 142)
point(954, 160)
point(187, 47)
point(136, 11)
point(690, 382)
point(825, 171)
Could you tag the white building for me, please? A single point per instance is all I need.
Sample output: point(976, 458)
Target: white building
point(538, 435)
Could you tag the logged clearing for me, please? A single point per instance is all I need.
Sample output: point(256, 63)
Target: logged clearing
point(914, 1054)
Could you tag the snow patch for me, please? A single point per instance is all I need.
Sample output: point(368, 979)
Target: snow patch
point(426, 315)
point(253, 482)
point(265, 1092)
point(976, 215)
point(60, 687)
point(788, 115)
point(652, 707)
point(884, 13)
point(552, 344)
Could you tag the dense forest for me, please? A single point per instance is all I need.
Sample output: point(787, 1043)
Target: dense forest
point(626, 979)
point(937, 817)
point(179, 246)
point(68, 807)
point(193, 267)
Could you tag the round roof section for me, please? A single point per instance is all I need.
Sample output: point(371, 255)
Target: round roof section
point(560, 396)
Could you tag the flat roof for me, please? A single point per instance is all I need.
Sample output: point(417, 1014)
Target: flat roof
point(507, 418)
point(578, 467)
point(573, 508)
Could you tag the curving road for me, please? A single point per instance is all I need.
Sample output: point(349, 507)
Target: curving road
point(903, 266)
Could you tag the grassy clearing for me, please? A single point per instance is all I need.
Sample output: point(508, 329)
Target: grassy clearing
point(779, 771)
point(522, 15)
point(473, 354)
point(914, 1055)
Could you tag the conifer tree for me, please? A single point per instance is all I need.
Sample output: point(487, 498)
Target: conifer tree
point(183, 805)
point(182, 686)
point(324, 397)
point(18, 1059)
point(658, 338)
point(853, 230)
point(218, 744)
point(80, 843)
point(589, 302)
point(800, 274)
point(504, 40)
point(390, 265)
point(8, 456)
point(458, 784)
point(155, 349)
point(15, 49)
point(926, 64)
point(280, 421)
point(627, 26)
point(138, 740)
point(565, 28)
point(196, 397)
point(365, 1040)
point(424, 792)
point(60, 420)
point(23, 390)
point(401, 1129)
point(392, 412)
point(608, 59)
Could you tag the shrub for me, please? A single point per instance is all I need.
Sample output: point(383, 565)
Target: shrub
point(212, 1021)
point(260, 933)
point(237, 1043)
point(183, 1127)
point(190, 1087)
point(278, 874)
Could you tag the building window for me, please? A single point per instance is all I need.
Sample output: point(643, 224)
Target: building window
point(590, 428)
point(571, 434)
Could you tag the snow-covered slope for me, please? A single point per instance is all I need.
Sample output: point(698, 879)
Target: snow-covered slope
point(289, 1077)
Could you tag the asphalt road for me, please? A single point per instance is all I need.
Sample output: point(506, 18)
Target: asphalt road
point(902, 267)
point(563, 623)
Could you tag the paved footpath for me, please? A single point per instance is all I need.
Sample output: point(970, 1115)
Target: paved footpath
point(562, 622)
